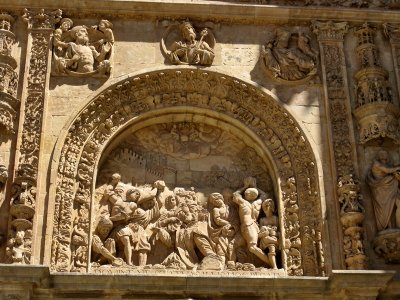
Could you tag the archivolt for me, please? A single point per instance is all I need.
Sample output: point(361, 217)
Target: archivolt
point(262, 116)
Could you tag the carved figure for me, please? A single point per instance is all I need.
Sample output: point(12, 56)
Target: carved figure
point(3, 174)
point(249, 208)
point(384, 183)
point(191, 51)
point(224, 234)
point(286, 62)
point(269, 240)
point(74, 54)
point(17, 250)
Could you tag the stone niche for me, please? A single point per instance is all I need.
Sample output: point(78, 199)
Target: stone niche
point(176, 195)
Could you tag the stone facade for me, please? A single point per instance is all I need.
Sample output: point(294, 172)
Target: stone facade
point(199, 149)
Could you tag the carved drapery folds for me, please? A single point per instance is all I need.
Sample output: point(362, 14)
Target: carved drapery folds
point(375, 112)
point(82, 51)
point(383, 180)
point(194, 47)
point(8, 77)
point(330, 36)
point(288, 63)
point(23, 199)
point(196, 90)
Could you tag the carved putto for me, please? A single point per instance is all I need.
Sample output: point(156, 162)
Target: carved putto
point(289, 58)
point(153, 226)
point(81, 50)
point(193, 48)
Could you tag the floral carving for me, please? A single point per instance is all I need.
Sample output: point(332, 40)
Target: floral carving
point(8, 77)
point(23, 199)
point(331, 36)
point(192, 88)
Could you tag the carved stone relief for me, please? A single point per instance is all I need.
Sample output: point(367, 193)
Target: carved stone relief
point(391, 4)
point(383, 180)
point(189, 49)
point(330, 36)
point(23, 199)
point(196, 90)
point(289, 58)
point(8, 77)
point(375, 111)
point(392, 31)
point(82, 51)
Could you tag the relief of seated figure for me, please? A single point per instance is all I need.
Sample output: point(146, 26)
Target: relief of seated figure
point(74, 54)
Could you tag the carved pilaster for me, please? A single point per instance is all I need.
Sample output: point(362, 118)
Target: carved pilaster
point(337, 102)
point(8, 77)
point(375, 112)
point(23, 199)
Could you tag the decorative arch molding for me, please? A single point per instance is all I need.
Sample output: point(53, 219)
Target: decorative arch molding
point(113, 110)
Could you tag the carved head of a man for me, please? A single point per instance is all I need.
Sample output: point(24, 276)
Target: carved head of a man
point(188, 31)
point(216, 199)
point(383, 157)
point(80, 35)
point(250, 194)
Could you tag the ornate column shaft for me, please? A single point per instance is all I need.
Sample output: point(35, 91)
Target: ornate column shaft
point(20, 247)
point(392, 31)
point(341, 140)
point(375, 112)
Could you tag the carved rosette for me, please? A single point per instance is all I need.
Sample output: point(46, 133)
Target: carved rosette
point(330, 36)
point(23, 199)
point(8, 77)
point(196, 90)
point(375, 112)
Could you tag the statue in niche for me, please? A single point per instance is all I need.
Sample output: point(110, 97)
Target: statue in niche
point(81, 50)
point(287, 62)
point(383, 180)
point(190, 50)
point(136, 223)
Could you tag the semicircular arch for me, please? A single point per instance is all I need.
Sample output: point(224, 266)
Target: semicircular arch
point(258, 114)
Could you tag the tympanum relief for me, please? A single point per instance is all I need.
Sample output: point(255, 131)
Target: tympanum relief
point(289, 57)
point(180, 196)
point(182, 44)
point(82, 50)
point(383, 179)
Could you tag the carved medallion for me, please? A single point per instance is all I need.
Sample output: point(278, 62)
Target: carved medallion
point(182, 44)
point(289, 58)
point(82, 51)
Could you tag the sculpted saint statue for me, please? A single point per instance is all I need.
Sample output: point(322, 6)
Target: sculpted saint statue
point(189, 50)
point(384, 183)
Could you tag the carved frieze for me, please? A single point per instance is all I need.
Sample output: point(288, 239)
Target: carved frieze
point(82, 51)
point(375, 112)
point(192, 48)
point(197, 90)
point(288, 63)
point(391, 4)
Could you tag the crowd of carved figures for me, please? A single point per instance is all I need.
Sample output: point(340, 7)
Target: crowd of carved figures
point(153, 225)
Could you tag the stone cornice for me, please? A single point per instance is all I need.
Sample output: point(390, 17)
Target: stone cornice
point(205, 10)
